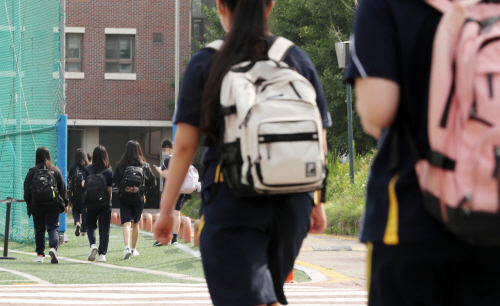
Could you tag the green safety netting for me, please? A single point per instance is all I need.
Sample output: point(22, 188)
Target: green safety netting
point(30, 98)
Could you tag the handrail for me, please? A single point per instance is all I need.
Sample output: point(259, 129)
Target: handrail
point(9, 202)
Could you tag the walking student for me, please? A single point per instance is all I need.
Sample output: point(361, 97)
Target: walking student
point(248, 245)
point(97, 182)
point(133, 177)
point(414, 260)
point(163, 170)
point(75, 177)
point(45, 196)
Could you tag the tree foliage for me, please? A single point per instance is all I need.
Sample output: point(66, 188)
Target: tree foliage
point(315, 26)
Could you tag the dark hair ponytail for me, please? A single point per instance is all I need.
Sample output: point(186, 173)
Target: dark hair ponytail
point(100, 158)
point(42, 158)
point(241, 44)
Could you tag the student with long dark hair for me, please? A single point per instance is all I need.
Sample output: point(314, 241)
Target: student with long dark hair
point(98, 181)
point(45, 195)
point(249, 245)
point(75, 177)
point(133, 177)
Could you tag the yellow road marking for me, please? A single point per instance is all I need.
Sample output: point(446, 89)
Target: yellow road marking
point(336, 276)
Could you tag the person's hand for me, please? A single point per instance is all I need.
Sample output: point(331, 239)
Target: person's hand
point(318, 219)
point(66, 210)
point(158, 169)
point(163, 227)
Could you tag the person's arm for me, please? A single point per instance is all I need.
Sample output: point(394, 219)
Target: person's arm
point(150, 178)
point(163, 173)
point(377, 101)
point(27, 187)
point(318, 215)
point(187, 138)
point(84, 176)
point(61, 188)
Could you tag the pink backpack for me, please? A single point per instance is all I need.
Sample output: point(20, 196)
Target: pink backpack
point(460, 176)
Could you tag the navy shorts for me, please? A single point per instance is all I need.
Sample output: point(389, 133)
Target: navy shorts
point(249, 246)
point(445, 272)
point(131, 213)
point(180, 202)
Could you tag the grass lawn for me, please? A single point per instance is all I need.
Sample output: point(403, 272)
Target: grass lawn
point(165, 258)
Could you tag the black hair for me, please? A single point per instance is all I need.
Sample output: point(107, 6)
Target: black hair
point(100, 158)
point(81, 159)
point(133, 155)
point(166, 144)
point(245, 41)
point(42, 158)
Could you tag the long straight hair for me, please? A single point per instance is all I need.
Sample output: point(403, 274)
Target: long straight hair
point(42, 158)
point(133, 155)
point(100, 158)
point(241, 43)
point(81, 159)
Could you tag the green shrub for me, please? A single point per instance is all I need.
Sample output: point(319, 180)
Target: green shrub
point(345, 200)
point(192, 206)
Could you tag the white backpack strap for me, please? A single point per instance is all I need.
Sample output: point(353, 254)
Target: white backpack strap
point(215, 45)
point(279, 49)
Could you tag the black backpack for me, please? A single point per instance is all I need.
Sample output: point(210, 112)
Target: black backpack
point(76, 182)
point(44, 188)
point(96, 189)
point(132, 185)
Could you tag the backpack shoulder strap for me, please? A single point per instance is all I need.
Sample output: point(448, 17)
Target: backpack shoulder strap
point(215, 45)
point(104, 171)
point(280, 49)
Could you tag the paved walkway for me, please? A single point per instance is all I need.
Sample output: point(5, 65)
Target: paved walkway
point(161, 294)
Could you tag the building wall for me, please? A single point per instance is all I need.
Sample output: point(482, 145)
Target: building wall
point(144, 98)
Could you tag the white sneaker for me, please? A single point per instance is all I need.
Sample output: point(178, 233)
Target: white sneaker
point(102, 258)
point(93, 252)
point(39, 258)
point(53, 256)
point(135, 252)
point(127, 253)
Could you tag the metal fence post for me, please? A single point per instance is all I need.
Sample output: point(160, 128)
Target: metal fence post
point(9, 202)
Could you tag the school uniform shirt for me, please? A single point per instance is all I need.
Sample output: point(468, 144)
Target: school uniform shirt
point(108, 175)
point(182, 197)
point(61, 188)
point(393, 40)
point(193, 83)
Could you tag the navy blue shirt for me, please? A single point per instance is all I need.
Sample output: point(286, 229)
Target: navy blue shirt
point(193, 84)
point(164, 166)
point(393, 40)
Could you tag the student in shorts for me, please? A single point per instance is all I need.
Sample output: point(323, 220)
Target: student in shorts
point(130, 213)
point(163, 170)
point(248, 246)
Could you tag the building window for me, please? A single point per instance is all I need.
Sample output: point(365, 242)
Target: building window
point(157, 39)
point(74, 52)
point(119, 53)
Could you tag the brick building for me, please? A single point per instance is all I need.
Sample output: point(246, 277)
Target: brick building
point(119, 66)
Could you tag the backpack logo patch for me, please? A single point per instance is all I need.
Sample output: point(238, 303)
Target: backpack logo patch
point(310, 169)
